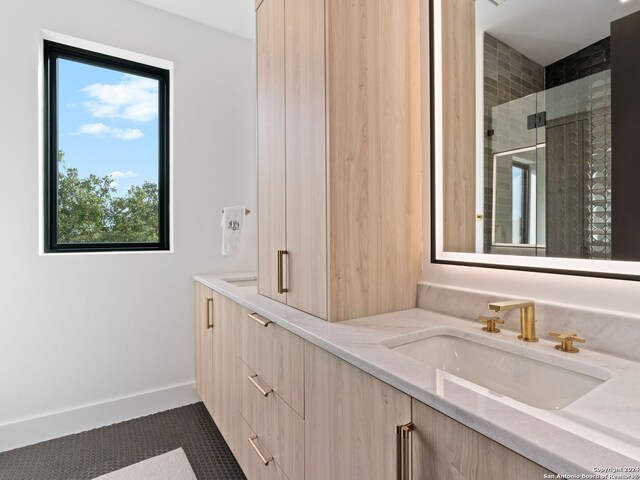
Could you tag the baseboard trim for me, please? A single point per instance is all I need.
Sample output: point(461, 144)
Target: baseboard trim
point(86, 417)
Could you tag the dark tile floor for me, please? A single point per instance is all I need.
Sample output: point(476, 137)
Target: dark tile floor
point(86, 455)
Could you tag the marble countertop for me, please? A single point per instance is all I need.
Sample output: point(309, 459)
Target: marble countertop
point(598, 431)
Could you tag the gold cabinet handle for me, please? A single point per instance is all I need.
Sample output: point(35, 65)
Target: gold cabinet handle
point(256, 318)
point(265, 460)
point(209, 313)
point(404, 451)
point(281, 254)
point(264, 392)
point(566, 341)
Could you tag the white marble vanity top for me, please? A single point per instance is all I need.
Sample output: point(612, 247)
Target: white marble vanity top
point(598, 431)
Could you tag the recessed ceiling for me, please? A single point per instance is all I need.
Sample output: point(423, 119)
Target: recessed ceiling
point(233, 16)
point(549, 30)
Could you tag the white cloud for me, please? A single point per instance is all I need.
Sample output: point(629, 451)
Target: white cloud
point(102, 129)
point(119, 174)
point(134, 99)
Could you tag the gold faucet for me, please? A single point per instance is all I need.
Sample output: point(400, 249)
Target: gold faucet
point(527, 316)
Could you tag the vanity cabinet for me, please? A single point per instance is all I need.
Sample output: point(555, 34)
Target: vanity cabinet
point(290, 410)
point(350, 424)
point(339, 155)
point(353, 430)
point(204, 344)
point(216, 343)
point(270, 378)
point(444, 448)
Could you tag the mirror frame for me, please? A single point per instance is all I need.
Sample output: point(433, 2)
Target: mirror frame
point(623, 270)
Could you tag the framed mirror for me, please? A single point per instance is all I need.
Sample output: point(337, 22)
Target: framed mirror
point(536, 135)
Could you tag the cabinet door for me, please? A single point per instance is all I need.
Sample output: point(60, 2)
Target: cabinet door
point(226, 314)
point(444, 449)
point(350, 420)
point(271, 145)
point(204, 344)
point(306, 157)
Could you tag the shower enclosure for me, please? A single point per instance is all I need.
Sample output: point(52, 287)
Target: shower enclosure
point(548, 172)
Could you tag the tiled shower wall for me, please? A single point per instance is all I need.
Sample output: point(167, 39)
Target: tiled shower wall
point(508, 75)
point(578, 135)
point(580, 225)
point(581, 83)
point(593, 59)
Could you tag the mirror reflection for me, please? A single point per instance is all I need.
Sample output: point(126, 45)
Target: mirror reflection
point(554, 151)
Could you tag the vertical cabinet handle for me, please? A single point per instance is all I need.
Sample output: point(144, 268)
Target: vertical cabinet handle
point(404, 451)
point(281, 288)
point(265, 460)
point(209, 313)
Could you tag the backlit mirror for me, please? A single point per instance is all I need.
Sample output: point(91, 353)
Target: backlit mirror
point(536, 134)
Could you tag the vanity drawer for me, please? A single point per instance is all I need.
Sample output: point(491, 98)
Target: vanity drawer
point(257, 344)
point(280, 428)
point(276, 356)
point(252, 459)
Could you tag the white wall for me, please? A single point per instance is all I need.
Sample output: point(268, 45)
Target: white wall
point(615, 295)
point(85, 329)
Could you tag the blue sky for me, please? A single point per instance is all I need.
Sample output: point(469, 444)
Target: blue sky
point(108, 123)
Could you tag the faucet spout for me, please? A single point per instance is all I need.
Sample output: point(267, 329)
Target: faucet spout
point(527, 316)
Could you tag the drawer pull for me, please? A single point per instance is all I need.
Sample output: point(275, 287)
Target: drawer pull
point(257, 319)
point(257, 385)
point(209, 313)
point(265, 460)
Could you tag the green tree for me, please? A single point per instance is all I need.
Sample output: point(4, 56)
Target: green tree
point(135, 216)
point(89, 210)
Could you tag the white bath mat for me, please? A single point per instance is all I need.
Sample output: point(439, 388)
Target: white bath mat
point(169, 466)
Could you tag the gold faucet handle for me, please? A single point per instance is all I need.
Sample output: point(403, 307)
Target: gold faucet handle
point(491, 323)
point(566, 341)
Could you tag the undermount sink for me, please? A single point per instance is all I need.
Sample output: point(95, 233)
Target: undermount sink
point(242, 281)
point(527, 380)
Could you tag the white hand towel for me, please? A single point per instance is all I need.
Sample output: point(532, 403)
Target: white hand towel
point(232, 223)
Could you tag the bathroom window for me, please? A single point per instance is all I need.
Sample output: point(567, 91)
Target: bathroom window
point(107, 153)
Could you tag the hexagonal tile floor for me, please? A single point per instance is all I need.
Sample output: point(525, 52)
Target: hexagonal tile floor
point(86, 455)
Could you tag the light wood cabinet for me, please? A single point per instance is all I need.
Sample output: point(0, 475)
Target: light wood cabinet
point(444, 449)
point(216, 344)
point(350, 422)
point(275, 355)
point(459, 120)
point(348, 77)
point(225, 341)
point(323, 417)
point(249, 457)
point(281, 430)
point(270, 376)
point(271, 145)
point(288, 369)
point(204, 344)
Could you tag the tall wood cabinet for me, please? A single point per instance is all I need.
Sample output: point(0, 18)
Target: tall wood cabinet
point(339, 155)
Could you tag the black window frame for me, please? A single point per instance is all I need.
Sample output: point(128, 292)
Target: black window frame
point(52, 52)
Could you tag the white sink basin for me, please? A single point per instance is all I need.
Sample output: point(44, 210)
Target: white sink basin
point(521, 378)
point(242, 281)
